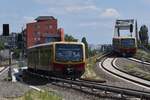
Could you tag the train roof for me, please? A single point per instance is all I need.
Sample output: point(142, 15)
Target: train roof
point(51, 43)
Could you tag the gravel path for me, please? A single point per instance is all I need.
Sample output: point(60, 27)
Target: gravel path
point(16, 89)
point(11, 89)
point(66, 93)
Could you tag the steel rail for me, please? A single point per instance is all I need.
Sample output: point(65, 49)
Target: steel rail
point(139, 61)
point(98, 86)
point(5, 68)
point(130, 92)
point(144, 84)
point(114, 89)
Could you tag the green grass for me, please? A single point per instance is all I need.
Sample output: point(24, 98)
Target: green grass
point(141, 54)
point(36, 95)
point(133, 69)
point(89, 69)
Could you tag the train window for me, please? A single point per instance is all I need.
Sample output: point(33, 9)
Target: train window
point(69, 52)
point(48, 56)
point(30, 58)
point(34, 57)
point(42, 57)
point(128, 42)
point(45, 56)
point(116, 42)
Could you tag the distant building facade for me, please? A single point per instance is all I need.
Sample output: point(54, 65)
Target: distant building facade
point(43, 30)
point(9, 41)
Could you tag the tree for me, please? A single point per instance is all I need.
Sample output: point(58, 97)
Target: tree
point(70, 38)
point(143, 35)
point(86, 46)
point(1, 45)
point(92, 52)
point(16, 54)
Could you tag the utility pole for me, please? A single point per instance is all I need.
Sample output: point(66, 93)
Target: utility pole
point(10, 71)
point(137, 34)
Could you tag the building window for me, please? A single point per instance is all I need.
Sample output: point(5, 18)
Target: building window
point(36, 34)
point(46, 33)
point(38, 39)
point(37, 26)
point(49, 26)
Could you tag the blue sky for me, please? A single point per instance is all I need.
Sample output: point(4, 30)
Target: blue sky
point(93, 19)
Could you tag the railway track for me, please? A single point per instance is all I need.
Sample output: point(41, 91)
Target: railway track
point(139, 61)
point(114, 70)
point(5, 68)
point(96, 88)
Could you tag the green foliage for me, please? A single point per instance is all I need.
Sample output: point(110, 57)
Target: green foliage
point(89, 69)
point(16, 53)
point(143, 35)
point(8, 79)
point(92, 52)
point(141, 54)
point(86, 46)
point(28, 96)
point(148, 47)
point(43, 95)
point(1, 45)
point(70, 38)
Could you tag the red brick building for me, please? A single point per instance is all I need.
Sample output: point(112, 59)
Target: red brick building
point(43, 30)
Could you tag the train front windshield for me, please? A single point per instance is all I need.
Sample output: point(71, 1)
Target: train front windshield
point(69, 52)
point(128, 42)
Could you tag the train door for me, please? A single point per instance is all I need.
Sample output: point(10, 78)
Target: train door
point(30, 59)
point(45, 58)
point(48, 57)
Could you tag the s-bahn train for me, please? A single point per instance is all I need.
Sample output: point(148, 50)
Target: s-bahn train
point(125, 46)
point(62, 59)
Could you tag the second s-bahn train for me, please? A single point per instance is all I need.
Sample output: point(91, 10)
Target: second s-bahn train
point(125, 46)
point(62, 59)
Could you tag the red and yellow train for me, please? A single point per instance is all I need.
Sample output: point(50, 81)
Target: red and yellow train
point(64, 59)
point(124, 45)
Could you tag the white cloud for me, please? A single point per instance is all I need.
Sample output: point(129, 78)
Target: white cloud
point(28, 19)
point(60, 2)
point(146, 1)
point(79, 8)
point(110, 13)
point(42, 1)
point(88, 24)
point(68, 6)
